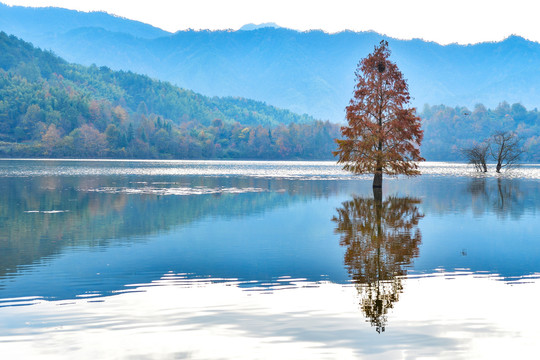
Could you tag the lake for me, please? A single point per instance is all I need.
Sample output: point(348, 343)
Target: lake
point(266, 260)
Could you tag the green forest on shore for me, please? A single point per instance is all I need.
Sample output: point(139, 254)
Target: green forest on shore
point(52, 108)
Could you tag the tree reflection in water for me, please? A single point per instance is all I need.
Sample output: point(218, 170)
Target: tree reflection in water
point(382, 238)
point(504, 197)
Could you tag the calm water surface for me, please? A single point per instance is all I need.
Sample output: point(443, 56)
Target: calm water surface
point(265, 260)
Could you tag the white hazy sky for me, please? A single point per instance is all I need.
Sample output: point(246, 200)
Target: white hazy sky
point(443, 21)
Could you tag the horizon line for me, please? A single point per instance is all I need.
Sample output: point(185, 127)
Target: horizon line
point(230, 29)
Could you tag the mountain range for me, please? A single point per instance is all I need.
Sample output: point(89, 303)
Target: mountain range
point(307, 72)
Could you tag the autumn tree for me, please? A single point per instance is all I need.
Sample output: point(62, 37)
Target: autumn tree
point(89, 141)
point(51, 139)
point(382, 135)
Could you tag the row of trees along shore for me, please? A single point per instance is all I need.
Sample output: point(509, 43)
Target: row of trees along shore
point(154, 137)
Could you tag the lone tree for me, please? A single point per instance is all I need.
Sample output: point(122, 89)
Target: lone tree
point(382, 136)
point(505, 149)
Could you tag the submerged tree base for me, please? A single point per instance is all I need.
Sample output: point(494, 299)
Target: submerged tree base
point(377, 180)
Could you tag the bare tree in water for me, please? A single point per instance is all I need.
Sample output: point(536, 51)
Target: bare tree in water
point(506, 149)
point(477, 155)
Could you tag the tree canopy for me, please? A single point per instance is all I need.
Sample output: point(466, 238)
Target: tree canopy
point(382, 135)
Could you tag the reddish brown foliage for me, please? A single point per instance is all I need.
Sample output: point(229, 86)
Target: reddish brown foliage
point(382, 136)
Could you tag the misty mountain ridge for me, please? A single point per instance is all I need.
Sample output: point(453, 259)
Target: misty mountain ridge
point(251, 26)
point(307, 72)
point(51, 20)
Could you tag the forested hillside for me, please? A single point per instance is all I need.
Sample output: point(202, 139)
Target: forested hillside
point(449, 129)
point(49, 107)
point(306, 72)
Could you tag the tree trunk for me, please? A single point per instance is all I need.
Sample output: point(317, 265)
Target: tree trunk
point(377, 195)
point(499, 157)
point(377, 180)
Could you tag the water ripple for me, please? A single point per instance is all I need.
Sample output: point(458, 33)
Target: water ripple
point(179, 191)
point(302, 170)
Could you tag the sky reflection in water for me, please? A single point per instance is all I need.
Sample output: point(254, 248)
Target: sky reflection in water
point(296, 260)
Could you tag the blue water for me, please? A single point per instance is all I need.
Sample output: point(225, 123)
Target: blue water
point(85, 232)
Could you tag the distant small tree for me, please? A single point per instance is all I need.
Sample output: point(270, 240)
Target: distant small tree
point(112, 135)
point(51, 139)
point(119, 115)
point(506, 149)
point(382, 135)
point(477, 155)
point(89, 141)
